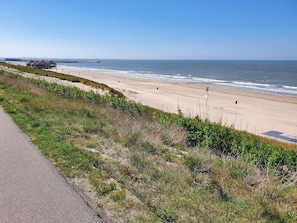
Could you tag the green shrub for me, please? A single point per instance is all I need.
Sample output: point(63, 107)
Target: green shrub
point(270, 212)
point(105, 188)
point(118, 195)
point(131, 139)
point(169, 157)
point(139, 160)
point(167, 140)
point(225, 140)
point(167, 214)
point(149, 148)
point(193, 161)
point(239, 169)
point(124, 170)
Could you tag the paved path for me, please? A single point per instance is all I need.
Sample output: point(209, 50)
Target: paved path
point(31, 189)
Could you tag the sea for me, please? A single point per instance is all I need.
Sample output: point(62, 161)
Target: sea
point(272, 77)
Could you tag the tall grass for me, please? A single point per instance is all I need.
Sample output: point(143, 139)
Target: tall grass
point(50, 73)
point(150, 166)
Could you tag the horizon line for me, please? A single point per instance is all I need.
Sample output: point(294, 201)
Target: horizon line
point(77, 58)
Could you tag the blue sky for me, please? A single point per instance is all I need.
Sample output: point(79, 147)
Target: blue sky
point(149, 29)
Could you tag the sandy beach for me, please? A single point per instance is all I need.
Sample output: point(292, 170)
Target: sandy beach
point(253, 112)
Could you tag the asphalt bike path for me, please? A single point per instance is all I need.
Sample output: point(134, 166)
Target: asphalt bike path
point(31, 189)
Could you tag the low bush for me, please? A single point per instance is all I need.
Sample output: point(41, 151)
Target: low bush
point(118, 195)
point(227, 141)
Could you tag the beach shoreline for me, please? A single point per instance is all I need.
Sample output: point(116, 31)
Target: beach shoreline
point(258, 113)
point(249, 111)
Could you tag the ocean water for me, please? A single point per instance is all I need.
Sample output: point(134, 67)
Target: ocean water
point(273, 77)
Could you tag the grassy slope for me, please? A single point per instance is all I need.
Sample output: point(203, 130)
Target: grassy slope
point(70, 78)
point(141, 165)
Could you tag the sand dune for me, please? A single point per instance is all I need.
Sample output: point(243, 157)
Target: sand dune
point(254, 112)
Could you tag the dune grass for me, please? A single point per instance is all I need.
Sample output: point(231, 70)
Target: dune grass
point(51, 73)
point(150, 166)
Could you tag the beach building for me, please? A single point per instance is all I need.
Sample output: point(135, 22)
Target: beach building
point(42, 64)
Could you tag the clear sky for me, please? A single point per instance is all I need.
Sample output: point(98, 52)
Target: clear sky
point(149, 29)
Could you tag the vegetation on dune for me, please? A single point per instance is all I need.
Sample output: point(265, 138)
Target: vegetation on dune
point(149, 166)
point(224, 140)
point(50, 73)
